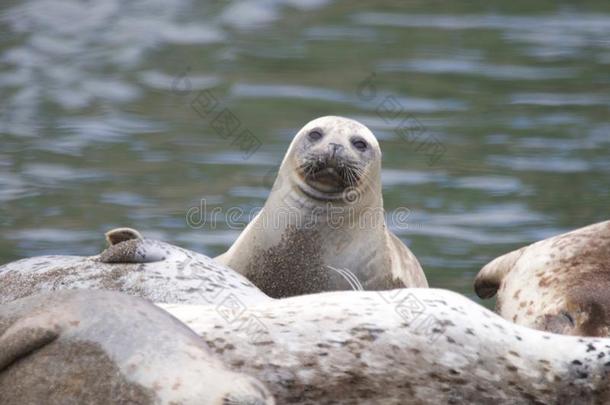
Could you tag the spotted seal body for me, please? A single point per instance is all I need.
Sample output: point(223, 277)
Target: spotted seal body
point(99, 347)
point(415, 346)
point(141, 267)
point(325, 217)
point(560, 284)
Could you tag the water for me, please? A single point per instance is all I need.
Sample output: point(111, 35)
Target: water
point(505, 107)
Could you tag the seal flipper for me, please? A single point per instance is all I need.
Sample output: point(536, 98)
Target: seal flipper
point(404, 265)
point(133, 251)
point(23, 338)
point(488, 281)
point(128, 246)
point(118, 235)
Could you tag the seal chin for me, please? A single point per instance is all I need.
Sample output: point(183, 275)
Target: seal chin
point(327, 180)
point(312, 191)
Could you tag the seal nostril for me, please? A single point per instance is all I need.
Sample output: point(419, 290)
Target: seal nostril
point(334, 147)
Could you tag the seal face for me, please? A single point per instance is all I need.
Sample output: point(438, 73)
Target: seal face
point(333, 159)
point(324, 219)
point(560, 284)
point(101, 347)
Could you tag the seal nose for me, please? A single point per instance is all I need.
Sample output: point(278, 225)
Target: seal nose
point(334, 148)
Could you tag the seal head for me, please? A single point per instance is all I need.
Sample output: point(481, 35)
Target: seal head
point(332, 157)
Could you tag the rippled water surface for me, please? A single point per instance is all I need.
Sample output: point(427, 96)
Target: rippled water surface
point(507, 104)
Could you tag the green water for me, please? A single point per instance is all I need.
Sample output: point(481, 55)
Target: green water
point(506, 105)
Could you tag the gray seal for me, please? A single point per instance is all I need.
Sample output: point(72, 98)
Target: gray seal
point(406, 346)
point(324, 218)
point(134, 265)
point(421, 346)
point(99, 347)
point(560, 284)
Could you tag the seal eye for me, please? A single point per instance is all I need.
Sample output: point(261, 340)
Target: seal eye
point(315, 135)
point(359, 144)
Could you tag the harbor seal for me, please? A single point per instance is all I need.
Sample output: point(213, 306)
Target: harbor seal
point(325, 213)
point(142, 267)
point(416, 346)
point(560, 284)
point(377, 347)
point(100, 347)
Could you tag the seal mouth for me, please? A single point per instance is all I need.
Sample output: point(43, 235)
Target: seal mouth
point(330, 173)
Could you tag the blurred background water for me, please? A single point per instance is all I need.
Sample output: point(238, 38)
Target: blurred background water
point(97, 128)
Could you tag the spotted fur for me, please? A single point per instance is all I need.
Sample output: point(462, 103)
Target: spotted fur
point(415, 346)
point(560, 284)
point(145, 268)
